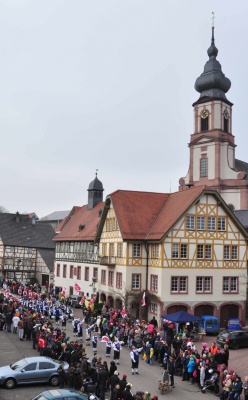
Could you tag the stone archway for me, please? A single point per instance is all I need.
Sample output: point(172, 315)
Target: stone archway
point(228, 311)
point(175, 308)
point(118, 304)
point(204, 309)
point(103, 297)
point(110, 301)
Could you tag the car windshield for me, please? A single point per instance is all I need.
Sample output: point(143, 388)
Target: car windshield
point(19, 364)
point(40, 397)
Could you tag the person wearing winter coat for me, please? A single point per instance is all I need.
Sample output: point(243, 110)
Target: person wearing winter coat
point(237, 388)
point(115, 393)
point(123, 383)
point(171, 370)
point(227, 387)
point(127, 394)
point(191, 367)
point(245, 387)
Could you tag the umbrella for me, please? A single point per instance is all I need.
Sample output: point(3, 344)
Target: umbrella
point(105, 339)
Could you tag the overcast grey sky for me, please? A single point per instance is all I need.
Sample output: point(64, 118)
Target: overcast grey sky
point(108, 84)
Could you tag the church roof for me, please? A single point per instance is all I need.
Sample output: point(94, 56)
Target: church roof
point(241, 166)
point(212, 83)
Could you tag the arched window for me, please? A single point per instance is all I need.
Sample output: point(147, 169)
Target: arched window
point(226, 121)
point(204, 120)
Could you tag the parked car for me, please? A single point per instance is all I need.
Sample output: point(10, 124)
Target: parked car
point(61, 394)
point(31, 370)
point(234, 324)
point(74, 301)
point(234, 339)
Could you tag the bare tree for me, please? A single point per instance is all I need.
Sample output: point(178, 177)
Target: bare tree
point(3, 210)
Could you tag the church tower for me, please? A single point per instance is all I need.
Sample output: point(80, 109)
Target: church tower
point(212, 145)
point(95, 193)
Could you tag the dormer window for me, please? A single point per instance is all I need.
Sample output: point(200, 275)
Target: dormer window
point(204, 120)
point(226, 121)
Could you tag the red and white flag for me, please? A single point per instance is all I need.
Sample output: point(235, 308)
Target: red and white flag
point(123, 313)
point(77, 288)
point(143, 301)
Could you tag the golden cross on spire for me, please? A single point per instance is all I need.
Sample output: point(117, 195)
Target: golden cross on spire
point(213, 18)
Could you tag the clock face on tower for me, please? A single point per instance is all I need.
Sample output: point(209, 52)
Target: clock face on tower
point(204, 114)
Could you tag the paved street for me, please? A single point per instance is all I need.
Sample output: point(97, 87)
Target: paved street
point(12, 349)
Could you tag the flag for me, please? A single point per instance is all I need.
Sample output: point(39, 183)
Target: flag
point(143, 301)
point(77, 287)
point(82, 300)
point(123, 313)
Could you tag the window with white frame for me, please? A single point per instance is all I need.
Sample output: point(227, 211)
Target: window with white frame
point(79, 273)
point(208, 251)
point(136, 250)
point(179, 284)
point(211, 223)
point(175, 250)
point(190, 222)
point(119, 280)
point(204, 251)
point(103, 277)
point(184, 251)
point(58, 269)
point(119, 249)
point(154, 283)
point(136, 281)
point(221, 223)
point(234, 252)
point(230, 284)
point(111, 278)
point(111, 249)
point(155, 250)
point(230, 252)
point(200, 251)
point(200, 223)
point(64, 270)
point(204, 284)
point(87, 274)
point(95, 274)
point(153, 308)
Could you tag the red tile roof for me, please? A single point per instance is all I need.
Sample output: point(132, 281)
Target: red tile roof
point(136, 212)
point(148, 216)
point(81, 216)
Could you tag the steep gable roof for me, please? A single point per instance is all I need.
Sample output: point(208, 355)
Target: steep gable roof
point(81, 224)
point(149, 216)
point(19, 231)
point(176, 205)
point(136, 212)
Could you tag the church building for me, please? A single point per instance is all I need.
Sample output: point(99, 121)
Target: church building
point(212, 144)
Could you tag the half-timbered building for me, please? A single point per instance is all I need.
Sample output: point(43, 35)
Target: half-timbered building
point(26, 248)
point(187, 248)
point(76, 259)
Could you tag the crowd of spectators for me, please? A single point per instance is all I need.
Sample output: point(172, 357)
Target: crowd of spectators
point(40, 316)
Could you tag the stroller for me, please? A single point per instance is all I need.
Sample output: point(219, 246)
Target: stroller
point(212, 384)
point(163, 385)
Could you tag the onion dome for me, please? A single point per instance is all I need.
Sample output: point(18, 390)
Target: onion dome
point(212, 83)
point(95, 184)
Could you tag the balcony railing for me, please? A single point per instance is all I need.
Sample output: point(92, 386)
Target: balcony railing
point(109, 261)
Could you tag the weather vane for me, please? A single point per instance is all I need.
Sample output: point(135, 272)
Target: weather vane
point(96, 171)
point(213, 17)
